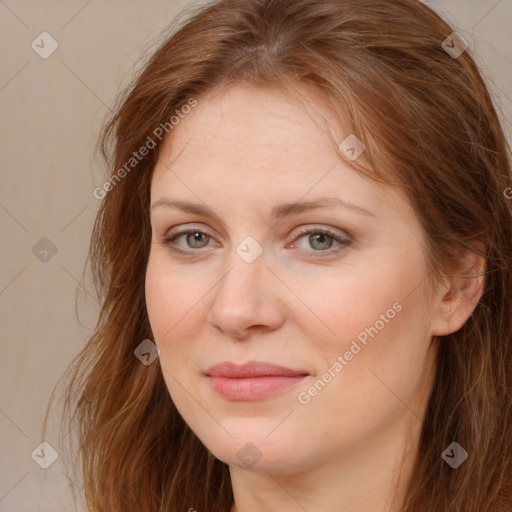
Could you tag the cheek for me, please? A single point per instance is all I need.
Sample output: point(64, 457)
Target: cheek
point(169, 297)
point(159, 303)
point(378, 327)
point(176, 303)
point(355, 308)
point(167, 306)
point(174, 308)
point(378, 358)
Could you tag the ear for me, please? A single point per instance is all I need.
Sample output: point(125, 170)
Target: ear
point(459, 295)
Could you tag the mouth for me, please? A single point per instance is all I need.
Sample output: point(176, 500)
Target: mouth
point(253, 380)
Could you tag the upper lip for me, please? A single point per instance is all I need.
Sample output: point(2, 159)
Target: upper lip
point(251, 369)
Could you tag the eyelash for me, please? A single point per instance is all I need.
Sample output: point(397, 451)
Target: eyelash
point(344, 242)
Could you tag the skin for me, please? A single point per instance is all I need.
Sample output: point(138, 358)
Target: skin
point(242, 152)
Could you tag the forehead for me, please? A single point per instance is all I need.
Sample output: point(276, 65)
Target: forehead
point(259, 142)
point(249, 127)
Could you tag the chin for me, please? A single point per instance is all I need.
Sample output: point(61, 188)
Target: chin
point(253, 450)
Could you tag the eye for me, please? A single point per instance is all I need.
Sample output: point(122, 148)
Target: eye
point(321, 241)
point(194, 239)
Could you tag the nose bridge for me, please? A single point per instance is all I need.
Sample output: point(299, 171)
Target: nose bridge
point(246, 268)
point(243, 298)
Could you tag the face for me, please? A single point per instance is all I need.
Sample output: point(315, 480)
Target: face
point(335, 294)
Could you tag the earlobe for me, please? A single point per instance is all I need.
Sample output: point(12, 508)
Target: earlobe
point(460, 295)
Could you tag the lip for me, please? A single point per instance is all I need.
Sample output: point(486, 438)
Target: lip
point(251, 369)
point(252, 380)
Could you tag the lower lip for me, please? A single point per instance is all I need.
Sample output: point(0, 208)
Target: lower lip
point(252, 388)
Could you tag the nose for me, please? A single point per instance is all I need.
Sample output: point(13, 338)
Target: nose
point(247, 299)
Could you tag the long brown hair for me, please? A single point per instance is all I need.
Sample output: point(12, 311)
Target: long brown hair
point(427, 118)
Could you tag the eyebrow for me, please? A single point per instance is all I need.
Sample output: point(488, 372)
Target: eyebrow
point(278, 212)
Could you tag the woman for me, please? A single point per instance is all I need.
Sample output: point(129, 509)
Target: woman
point(304, 259)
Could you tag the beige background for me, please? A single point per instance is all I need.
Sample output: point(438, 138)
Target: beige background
point(51, 111)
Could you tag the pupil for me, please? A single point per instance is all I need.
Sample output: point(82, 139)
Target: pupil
point(320, 238)
point(196, 237)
